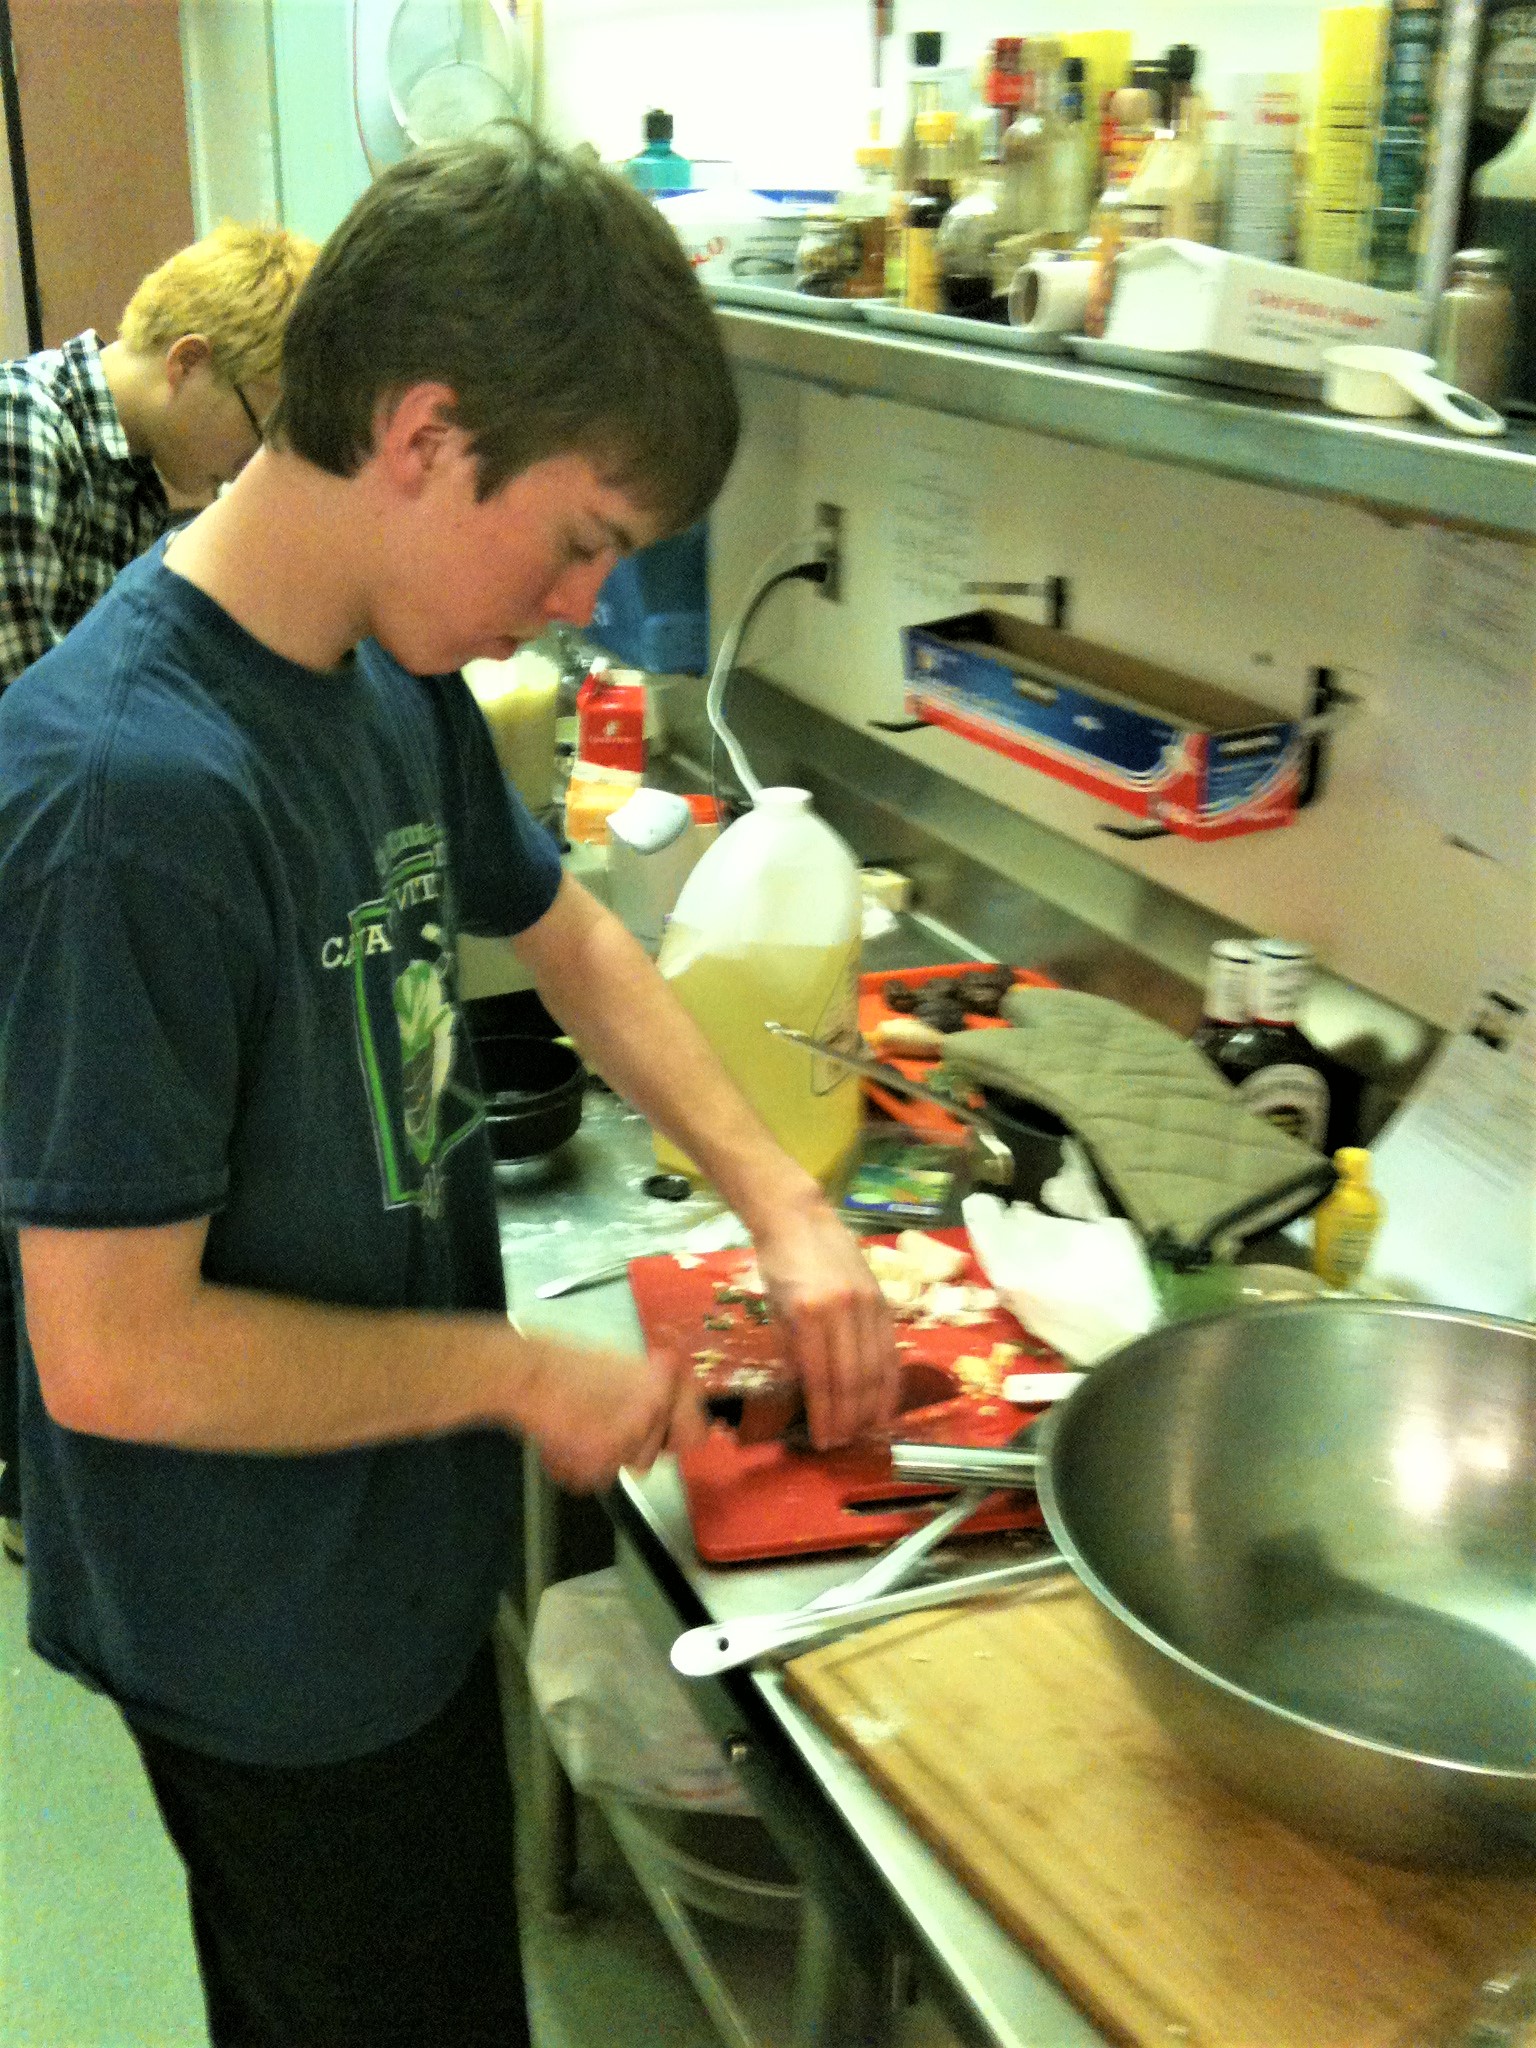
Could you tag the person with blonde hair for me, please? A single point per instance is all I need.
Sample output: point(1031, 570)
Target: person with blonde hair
point(101, 446)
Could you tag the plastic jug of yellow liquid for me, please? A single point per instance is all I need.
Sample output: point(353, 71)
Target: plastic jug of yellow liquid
point(766, 930)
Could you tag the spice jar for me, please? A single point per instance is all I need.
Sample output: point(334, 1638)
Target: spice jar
point(830, 256)
point(1475, 325)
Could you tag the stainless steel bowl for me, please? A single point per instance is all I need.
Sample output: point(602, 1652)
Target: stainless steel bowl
point(1313, 1530)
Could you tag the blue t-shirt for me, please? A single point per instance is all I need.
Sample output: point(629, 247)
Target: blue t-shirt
point(230, 894)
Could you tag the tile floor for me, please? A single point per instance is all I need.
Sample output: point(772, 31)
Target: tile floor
point(94, 1949)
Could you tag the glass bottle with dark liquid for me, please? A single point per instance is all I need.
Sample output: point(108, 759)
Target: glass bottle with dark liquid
point(1226, 1010)
point(1276, 1069)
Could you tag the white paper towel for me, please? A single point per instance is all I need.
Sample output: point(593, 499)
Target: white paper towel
point(1086, 1288)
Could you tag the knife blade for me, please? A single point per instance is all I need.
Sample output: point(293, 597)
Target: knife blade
point(997, 1166)
point(572, 1283)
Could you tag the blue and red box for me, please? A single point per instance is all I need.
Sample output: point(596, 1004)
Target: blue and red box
point(1184, 754)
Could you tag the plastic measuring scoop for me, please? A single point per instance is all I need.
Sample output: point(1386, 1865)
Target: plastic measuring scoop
point(1375, 382)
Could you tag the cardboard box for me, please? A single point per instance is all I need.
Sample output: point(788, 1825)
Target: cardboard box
point(736, 236)
point(1203, 762)
point(1184, 298)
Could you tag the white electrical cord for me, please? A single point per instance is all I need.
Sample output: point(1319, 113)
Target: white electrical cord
point(794, 554)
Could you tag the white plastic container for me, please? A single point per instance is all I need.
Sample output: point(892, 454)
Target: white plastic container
point(518, 698)
point(766, 930)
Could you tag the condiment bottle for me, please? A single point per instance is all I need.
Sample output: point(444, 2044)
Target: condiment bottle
point(970, 232)
point(1277, 1071)
point(1505, 192)
point(1024, 196)
point(1069, 200)
point(1132, 111)
point(1475, 324)
point(932, 197)
point(1228, 970)
point(1172, 192)
point(1345, 1225)
point(925, 95)
point(867, 206)
point(658, 167)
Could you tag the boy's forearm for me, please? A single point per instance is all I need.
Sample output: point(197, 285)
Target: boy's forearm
point(133, 1344)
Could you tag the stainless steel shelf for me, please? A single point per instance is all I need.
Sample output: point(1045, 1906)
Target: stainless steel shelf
point(1408, 469)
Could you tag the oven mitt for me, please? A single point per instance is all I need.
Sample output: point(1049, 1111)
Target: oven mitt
point(1193, 1170)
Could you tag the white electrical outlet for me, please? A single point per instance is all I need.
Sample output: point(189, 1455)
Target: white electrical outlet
point(829, 537)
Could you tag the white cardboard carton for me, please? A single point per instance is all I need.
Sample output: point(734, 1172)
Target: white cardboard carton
point(1185, 298)
point(736, 236)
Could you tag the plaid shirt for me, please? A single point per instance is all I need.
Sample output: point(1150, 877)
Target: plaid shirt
point(75, 506)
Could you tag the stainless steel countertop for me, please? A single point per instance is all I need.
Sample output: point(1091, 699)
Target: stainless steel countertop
point(585, 1207)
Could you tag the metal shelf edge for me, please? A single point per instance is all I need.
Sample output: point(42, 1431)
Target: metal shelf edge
point(1402, 471)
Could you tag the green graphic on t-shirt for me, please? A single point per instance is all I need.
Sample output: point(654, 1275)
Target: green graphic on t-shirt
point(426, 1051)
point(402, 982)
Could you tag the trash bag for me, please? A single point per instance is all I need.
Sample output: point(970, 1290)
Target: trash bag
point(620, 1722)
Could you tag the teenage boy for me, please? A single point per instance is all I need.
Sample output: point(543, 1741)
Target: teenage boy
point(100, 446)
point(271, 1399)
point(102, 442)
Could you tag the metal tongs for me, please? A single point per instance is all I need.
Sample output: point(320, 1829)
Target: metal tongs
point(721, 1646)
point(997, 1166)
point(702, 1652)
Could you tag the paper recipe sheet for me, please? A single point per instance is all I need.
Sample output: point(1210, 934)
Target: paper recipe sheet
point(1456, 1166)
point(1463, 742)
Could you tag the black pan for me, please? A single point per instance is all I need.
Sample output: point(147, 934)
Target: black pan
point(534, 1089)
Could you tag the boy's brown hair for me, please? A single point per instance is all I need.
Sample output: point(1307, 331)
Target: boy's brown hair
point(551, 298)
point(236, 287)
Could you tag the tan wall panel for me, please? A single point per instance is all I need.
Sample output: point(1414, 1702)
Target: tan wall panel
point(104, 122)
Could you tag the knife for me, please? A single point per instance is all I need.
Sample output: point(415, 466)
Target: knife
point(997, 1168)
point(571, 1283)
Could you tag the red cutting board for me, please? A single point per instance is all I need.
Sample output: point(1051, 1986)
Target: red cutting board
point(753, 1501)
point(873, 1012)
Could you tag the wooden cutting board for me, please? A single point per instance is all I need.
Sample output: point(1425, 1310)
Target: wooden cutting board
point(1170, 1910)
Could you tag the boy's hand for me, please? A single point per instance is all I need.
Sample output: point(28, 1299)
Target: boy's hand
point(590, 1412)
point(839, 1329)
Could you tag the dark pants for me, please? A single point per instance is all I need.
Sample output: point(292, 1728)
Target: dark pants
point(10, 1421)
point(367, 1904)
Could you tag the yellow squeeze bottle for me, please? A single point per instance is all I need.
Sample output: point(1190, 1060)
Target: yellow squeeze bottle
point(1345, 1225)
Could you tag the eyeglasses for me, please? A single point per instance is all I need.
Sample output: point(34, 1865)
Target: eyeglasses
point(249, 411)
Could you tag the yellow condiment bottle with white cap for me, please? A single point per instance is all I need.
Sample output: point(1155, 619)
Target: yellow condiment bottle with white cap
point(1345, 1225)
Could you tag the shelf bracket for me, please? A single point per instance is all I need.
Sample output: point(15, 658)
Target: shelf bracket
point(1056, 591)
